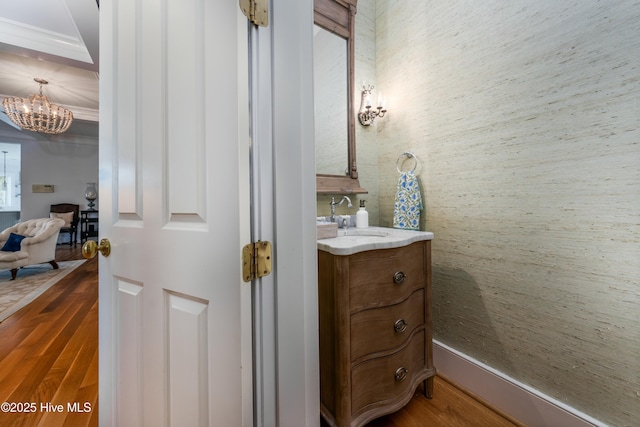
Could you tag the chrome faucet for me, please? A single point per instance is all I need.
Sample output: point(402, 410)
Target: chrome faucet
point(332, 218)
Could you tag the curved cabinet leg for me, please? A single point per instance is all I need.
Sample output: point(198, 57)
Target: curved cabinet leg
point(54, 264)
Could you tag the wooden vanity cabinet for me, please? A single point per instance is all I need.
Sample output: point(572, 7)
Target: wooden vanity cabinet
point(375, 331)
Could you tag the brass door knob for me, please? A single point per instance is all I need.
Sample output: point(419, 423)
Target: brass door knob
point(91, 248)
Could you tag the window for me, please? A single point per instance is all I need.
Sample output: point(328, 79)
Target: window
point(10, 190)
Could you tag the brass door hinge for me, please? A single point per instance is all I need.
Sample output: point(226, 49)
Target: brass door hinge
point(256, 260)
point(257, 11)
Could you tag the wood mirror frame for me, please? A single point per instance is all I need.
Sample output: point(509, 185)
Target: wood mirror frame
point(338, 17)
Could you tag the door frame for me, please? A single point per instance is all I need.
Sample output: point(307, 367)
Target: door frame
point(286, 369)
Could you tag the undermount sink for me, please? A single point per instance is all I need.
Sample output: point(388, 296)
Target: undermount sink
point(353, 240)
point(362, 232)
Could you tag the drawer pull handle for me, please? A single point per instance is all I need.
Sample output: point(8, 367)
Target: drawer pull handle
point(401, 374)
point(400, 325)
point(399, 277)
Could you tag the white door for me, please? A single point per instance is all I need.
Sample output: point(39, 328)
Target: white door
point(175, 342)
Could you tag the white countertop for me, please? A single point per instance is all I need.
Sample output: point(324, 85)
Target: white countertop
point(354, 240)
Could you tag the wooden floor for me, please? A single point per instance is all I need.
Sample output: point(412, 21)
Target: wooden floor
point(49, 355)
point(450, 407)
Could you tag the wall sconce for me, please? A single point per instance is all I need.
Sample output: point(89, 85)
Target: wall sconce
point(367, 114)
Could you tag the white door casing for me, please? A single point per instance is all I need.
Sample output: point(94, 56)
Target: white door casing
point(286, 327)
point(174, 320)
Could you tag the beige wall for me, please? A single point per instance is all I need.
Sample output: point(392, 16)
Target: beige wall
point(525, 118)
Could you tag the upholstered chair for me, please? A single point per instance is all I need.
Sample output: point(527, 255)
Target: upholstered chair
point(29, 242)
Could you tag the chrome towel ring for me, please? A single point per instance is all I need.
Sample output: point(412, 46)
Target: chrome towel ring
point(408, 155)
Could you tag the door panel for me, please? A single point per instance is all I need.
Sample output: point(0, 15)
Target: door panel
point(187, 105)
point(188, 345)
point(171, 186)
point(130, 358)
point(125, 66)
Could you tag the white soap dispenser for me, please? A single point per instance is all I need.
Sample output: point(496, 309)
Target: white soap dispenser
point(362, 216)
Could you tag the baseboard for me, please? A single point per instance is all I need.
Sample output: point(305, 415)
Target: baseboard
point(523, 403)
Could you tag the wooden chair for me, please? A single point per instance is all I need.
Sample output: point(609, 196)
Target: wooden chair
point(71, 226)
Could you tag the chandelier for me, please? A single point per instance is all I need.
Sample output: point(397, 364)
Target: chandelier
point(37, 114)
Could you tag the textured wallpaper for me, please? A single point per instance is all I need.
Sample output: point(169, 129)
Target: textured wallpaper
point(525, 117)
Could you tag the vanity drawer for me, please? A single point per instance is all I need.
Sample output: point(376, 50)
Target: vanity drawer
point(387, 276)
point(381, 380)
point(387, 327)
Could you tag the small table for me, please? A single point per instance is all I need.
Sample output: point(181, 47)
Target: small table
point(88, 225)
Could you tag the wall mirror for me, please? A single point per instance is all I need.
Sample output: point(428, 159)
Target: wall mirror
point(336, 165)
